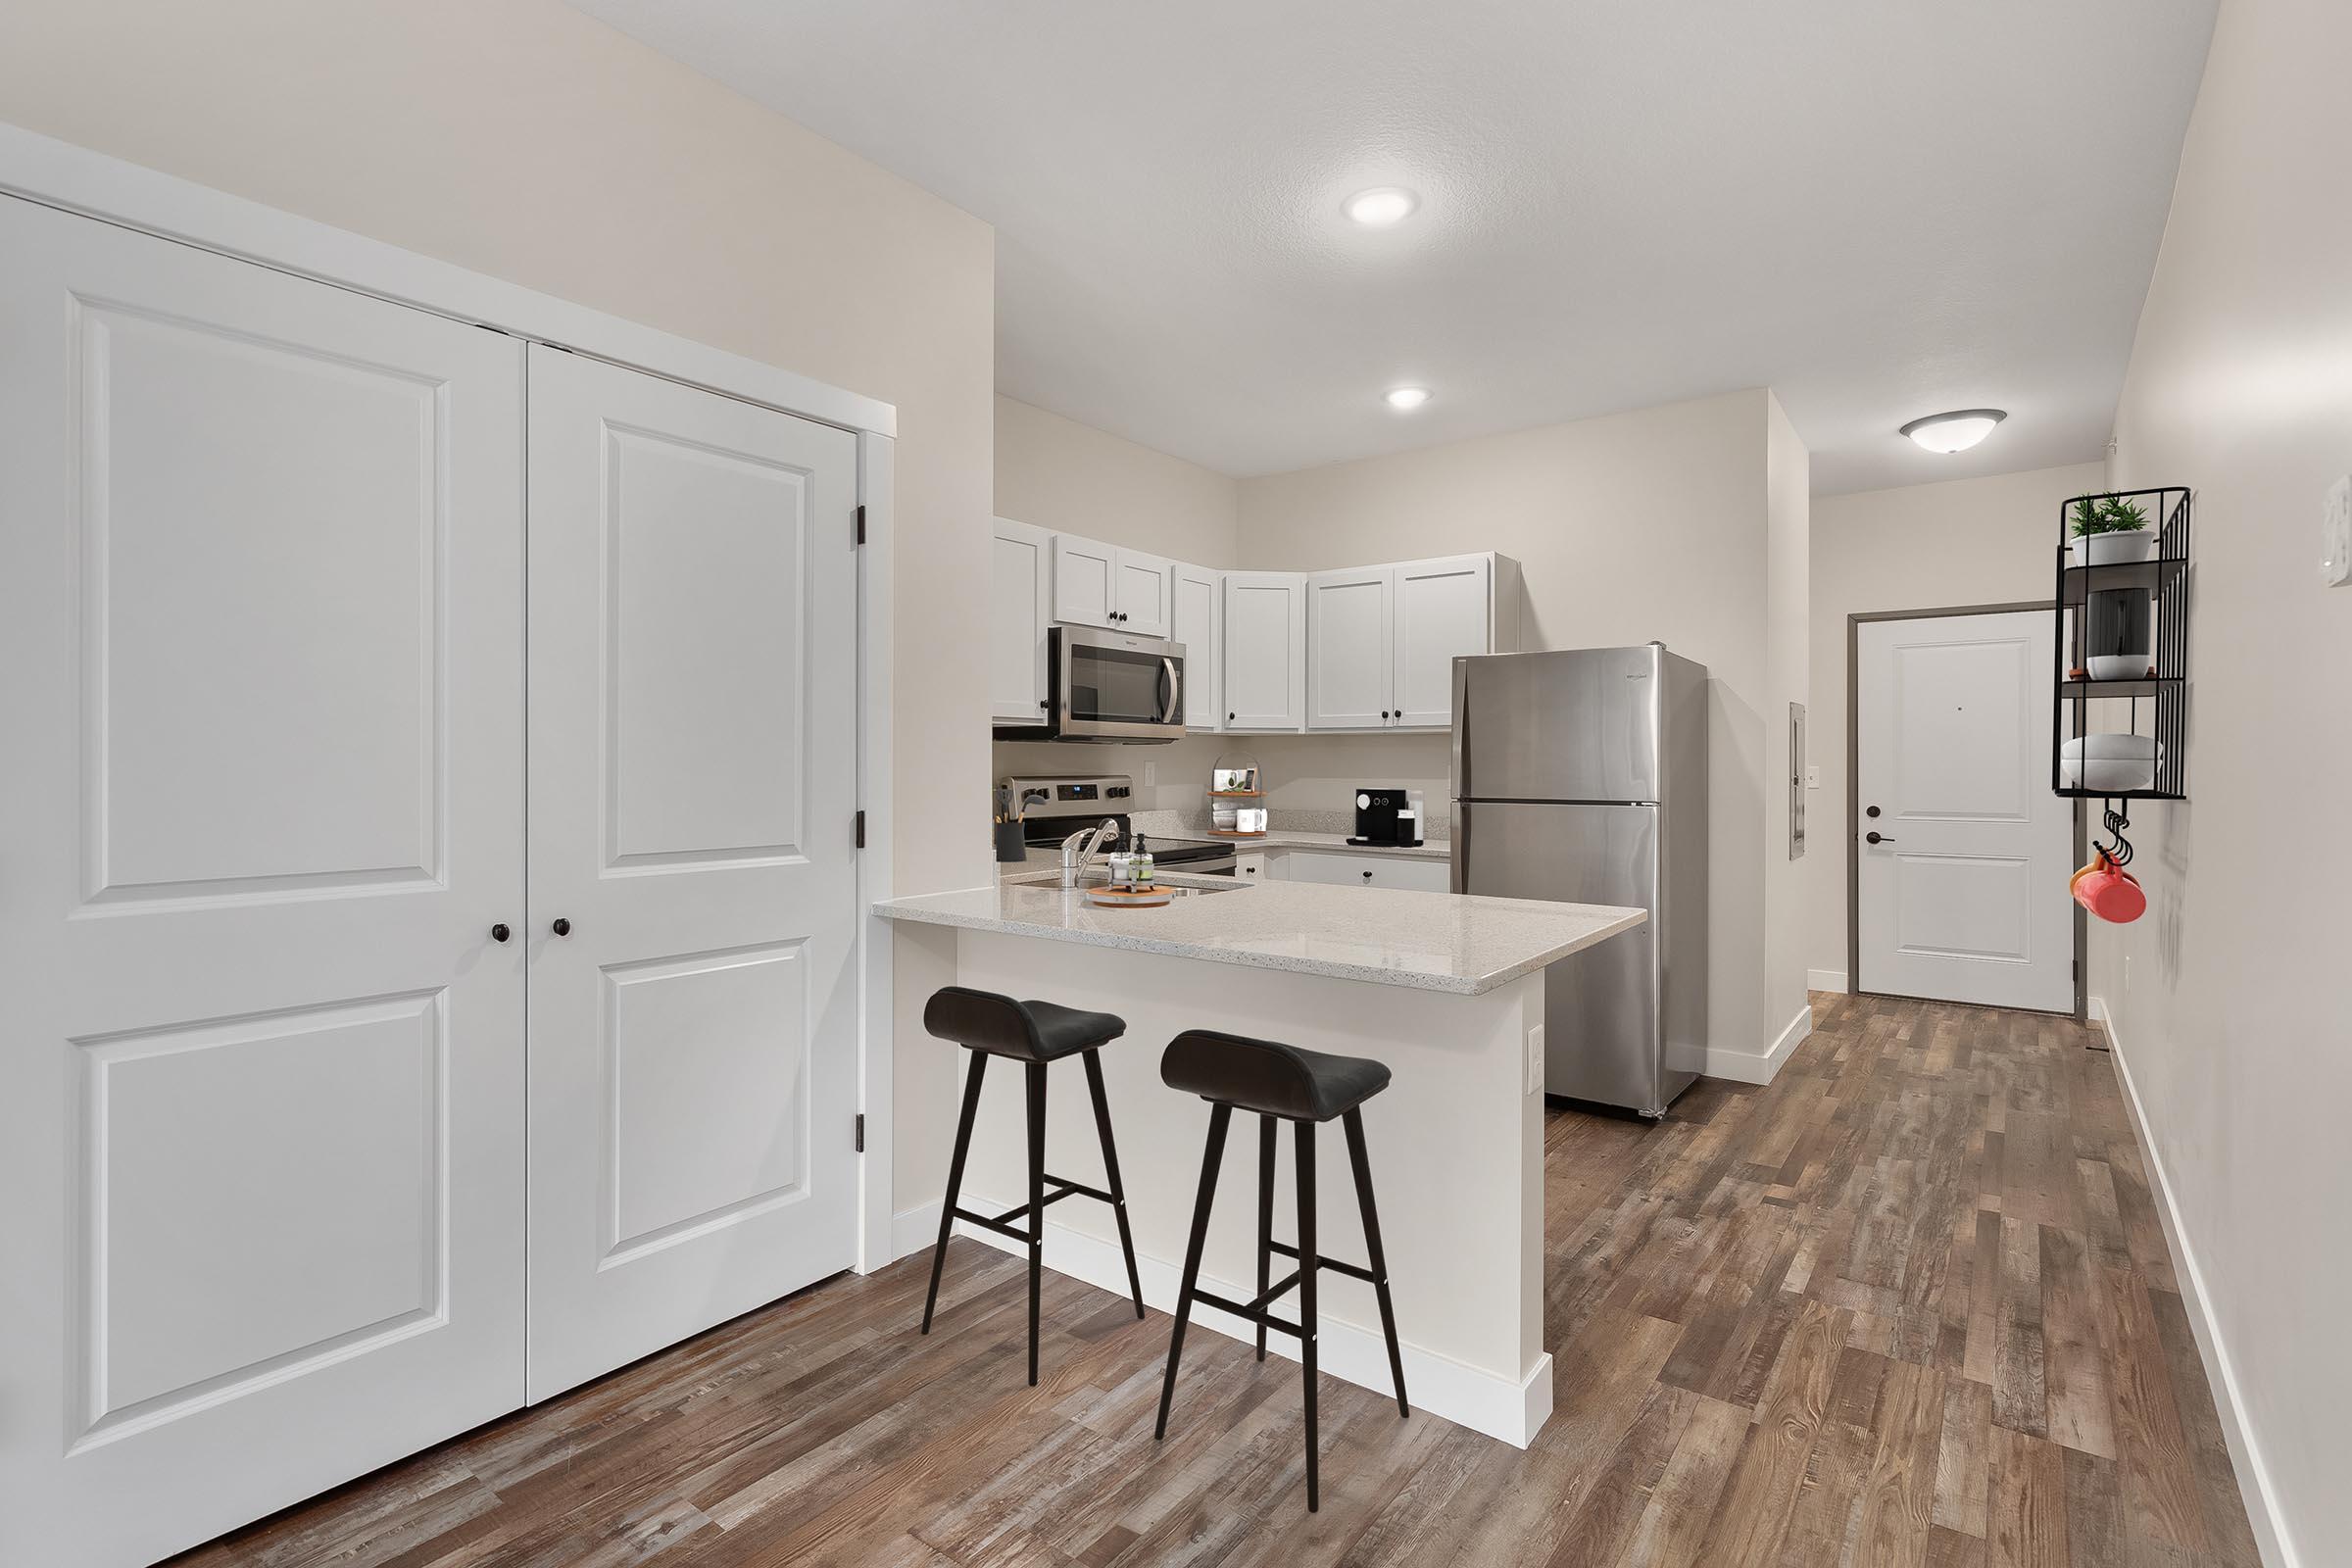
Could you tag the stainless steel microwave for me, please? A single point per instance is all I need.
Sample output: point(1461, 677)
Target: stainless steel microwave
point(1107, 687)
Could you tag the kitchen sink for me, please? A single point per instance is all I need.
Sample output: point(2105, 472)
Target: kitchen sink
point(1175, 889)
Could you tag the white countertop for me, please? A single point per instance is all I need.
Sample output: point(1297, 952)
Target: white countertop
point(1426, 941)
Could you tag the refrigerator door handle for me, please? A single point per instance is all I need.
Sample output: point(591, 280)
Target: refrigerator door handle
point(1461, 733)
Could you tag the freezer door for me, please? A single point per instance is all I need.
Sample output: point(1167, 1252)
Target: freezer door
point(1578, 725)
point(1601, 1006)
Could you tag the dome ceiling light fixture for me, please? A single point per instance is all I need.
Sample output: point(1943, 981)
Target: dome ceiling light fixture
point(1381, 206)
point(1955, 431)
point(1401, 398)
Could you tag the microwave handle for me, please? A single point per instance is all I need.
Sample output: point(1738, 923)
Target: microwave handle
point(1175, 683)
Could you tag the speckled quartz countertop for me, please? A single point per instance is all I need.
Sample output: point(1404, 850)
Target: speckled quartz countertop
point(1426, 941)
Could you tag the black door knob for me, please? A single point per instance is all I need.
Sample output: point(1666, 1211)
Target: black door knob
point(1876, 838)
point(1869, 812)
point(498, 932)
point(561, 927)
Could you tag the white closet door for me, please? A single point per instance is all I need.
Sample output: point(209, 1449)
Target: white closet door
point(693, 724)
point(260, 1100)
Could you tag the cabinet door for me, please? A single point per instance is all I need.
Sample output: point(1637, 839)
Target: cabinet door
point(1084, 581)
point(1441, 612)
point(1265, 649)
point(693, 1019)
point(1020, 585)
point(1350, 623)
point(261, 1079)
point(1199, 624)
point(1141, 593)
point(1337, 869)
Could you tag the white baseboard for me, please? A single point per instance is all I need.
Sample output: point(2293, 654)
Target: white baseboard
point(1759, 1067)
point(913, 1229)
point(2245, 1456)
point(1511, 1409)
point(1826, 980)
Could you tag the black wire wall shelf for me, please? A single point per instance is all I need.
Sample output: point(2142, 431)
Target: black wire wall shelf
point(2120, 719)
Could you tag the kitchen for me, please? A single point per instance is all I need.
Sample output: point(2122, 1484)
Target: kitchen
point(515, 1010)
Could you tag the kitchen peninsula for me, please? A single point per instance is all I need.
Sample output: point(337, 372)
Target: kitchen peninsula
point(1447, 990)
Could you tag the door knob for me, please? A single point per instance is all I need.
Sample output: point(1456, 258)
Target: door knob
point(1870, 811)
point(1876, 838)
point(498, 932)
point(561, 927)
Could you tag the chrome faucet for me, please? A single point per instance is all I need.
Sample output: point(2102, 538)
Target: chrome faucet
point(1078, 851)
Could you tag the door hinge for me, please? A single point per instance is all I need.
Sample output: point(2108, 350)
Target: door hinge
point(861, 831)
point(861, 523)
point(862, 1132)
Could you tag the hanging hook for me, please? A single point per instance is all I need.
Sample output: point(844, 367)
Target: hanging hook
point(2115, 821)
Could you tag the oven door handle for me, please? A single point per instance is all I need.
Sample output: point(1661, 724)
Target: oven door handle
point(1174, 679)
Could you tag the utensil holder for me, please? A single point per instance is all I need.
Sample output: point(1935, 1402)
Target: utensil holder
point(1013, 845)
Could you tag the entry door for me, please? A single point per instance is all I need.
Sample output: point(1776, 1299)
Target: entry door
point(260, 1090)
point(1963, 896)
point(693, 727)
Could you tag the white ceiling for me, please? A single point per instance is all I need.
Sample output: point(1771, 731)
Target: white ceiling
point(1880, 207)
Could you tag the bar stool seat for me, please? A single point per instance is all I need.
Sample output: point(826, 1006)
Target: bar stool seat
point(1269, 1077)
point(1035, 1033)
point(1279, 1083)
point(1026, 1031)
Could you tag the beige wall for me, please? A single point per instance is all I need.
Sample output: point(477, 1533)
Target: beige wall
point(1787, 590)
point(522, 140)
point(1653, 525)
point(1920, 547)
point(1056, 474)
point(2230, 1004)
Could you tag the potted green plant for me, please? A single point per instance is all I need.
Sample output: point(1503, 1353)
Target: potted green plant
point(2109, 530)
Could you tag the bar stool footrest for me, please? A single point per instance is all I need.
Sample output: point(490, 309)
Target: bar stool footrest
point(1352, 1270)
point(1254, 1314)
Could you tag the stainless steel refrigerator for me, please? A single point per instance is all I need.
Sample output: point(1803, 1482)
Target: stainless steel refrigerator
point(1581, 776)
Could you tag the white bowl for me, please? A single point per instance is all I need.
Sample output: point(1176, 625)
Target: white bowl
point(2119, 666)
point(2108, 762)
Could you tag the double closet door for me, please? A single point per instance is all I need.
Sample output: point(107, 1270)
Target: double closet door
point(321, 618)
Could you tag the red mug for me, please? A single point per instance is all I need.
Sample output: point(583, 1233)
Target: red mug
point(2110, 892)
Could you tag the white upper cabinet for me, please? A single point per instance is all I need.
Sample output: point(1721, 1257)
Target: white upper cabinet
point(1457, 606)
point(1144, 593)
point(1097, 584)
point(1350, 624)
point(1198, 623)
point(1265, 649)
point(1086, 581)
point(1020, 589)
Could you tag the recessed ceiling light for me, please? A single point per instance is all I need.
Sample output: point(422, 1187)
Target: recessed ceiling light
point(1408, 397)
point(1956, 431)
point(1382, 206)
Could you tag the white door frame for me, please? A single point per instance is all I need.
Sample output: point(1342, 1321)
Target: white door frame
point(75, 179)
point(1853, 784)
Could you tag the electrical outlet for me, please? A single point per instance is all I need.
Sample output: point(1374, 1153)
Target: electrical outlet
point(2335, 535)
point(1534, 1061)
point(1151, 772)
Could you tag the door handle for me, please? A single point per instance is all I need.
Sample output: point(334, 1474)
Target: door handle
point(561, 927)
point(1876, 838)
point(498, 932)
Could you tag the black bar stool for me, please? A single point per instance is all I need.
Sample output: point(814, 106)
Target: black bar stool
point(1034, 1034)
point(1281, 1083)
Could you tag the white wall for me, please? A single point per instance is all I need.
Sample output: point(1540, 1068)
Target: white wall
point(1787, 591)
point(2233, 1016)
point(1659, 523)
point(1920, 547)
point(522, 140)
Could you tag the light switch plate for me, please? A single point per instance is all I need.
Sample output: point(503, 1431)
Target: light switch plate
point(1812, 778)
point(2335, 535)
point(1534, 1061)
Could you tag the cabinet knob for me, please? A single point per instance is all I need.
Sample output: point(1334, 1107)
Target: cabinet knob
point(1367, 877)
point(1230, 718)
point(1041, 702)
point(498, 932)
point(561, 927)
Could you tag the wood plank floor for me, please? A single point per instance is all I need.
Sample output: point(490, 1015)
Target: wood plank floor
point(1908, 1305)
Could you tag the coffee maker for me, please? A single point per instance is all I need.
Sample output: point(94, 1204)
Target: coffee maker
point(1377, 811)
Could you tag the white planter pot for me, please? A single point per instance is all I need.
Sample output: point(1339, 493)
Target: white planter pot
point(2114, 549)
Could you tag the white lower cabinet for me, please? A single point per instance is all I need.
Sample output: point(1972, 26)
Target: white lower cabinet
point(1363, 870)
